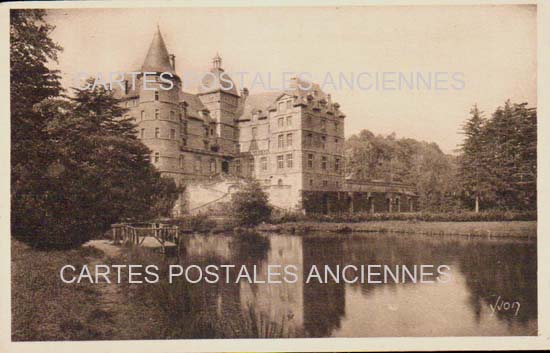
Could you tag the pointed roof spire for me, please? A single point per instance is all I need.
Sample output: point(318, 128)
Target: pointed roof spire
point(157, 59)
point(217, 61)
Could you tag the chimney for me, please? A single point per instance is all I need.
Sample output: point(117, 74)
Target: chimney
point(172, 61)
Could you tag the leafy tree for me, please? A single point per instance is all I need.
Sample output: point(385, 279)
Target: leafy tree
point(251, 204)
point(392, 159)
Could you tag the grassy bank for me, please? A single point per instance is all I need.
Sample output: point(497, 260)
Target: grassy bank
point(520, 229)
point(43, 307)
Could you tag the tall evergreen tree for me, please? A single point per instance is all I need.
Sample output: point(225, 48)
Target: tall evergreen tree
point(473, 169)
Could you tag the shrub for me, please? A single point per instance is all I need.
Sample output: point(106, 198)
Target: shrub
point(250, 205)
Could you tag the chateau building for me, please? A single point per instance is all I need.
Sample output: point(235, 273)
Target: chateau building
point(291, 141)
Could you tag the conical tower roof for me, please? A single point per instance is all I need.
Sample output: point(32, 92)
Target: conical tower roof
point(157, 59)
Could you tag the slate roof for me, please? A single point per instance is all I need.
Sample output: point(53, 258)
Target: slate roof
point(157, 59)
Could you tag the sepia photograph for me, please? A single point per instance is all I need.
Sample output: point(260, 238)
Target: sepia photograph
point(197, 172)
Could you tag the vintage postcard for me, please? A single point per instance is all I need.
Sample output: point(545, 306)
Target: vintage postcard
point(243, 176)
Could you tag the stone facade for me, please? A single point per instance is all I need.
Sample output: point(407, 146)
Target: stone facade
point(291, 141)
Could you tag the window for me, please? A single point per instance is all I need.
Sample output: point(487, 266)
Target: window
point(336, 140)
point(311, 182)
point(142, 133)
point(324, 162)
point(263, 163)
point(337, 165)
point(157, 113)
point(289, 160)
point(184, 142)
point(288, 105)
point(280, 162)
point(172, 134)
point(197, 164)
point(308, 120)
point(288, 121)
point(142, 114)
point(180, 116)
point(185, 127)
point(324, 141)
point(182, 161)
point(156, 95)
point(211, 132)
point(280, 141)
point(157, 157)
point(281, 106)
point(310, 160)
point(212, 166)
point(238, 166)
point(281, 122)
point(172, 115)
point(205, 131)
point(157, 132)
point(252, 167)
point(289, 139)
point(323, 123)
point(280, 182)
point(254, 132)
point(309, 140)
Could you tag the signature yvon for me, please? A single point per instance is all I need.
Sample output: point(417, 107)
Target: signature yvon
point(506, 306)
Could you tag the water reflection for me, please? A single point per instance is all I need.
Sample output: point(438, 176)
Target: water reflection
point(482, 271)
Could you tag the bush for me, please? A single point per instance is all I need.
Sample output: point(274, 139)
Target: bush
point(461, 216)
point(250, 205)
point(197, 223)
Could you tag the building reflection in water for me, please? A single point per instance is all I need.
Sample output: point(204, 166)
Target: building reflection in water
point(482, 270)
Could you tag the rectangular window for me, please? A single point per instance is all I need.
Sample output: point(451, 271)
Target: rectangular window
point(288, 121)
point(281, 106)
point(142, 133)
point(142, 114)
point(156, 95)
point(238, 166)
point(324, 142)
point(281, 141)
point(263, 163)
point(324, 163)
point(182, 161)
point(309, 140)
point(197, 164)
point(281, 122)
point(157, 113)
point(289, 139)
point(172, 134)
point(172, 115)
point(157, 132)
point(288, 105)
point(289, 160)
point(337, 165)
point(310, 160)
point(311, 182)
point(323, 123)
point(205, 131)
point(157, 157)
point(280, 162)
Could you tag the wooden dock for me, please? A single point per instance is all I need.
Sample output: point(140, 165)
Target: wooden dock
point(154, 236)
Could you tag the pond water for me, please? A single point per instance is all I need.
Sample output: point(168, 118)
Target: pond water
point(492, 288)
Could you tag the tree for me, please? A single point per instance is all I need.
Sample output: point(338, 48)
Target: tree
point(392, 159)
point(473, 170)
point(250, 205)
point(498, 161)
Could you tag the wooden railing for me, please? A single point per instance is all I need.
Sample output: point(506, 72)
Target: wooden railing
point(135, 234)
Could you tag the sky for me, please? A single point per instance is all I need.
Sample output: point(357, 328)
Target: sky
point(482, 55)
